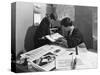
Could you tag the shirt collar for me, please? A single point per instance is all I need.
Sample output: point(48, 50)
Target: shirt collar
point(72, 28)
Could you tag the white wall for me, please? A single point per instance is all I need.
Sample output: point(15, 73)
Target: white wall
point(24, 19)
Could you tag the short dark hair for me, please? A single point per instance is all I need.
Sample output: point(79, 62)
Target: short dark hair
point(52, 16)
point(66, 22)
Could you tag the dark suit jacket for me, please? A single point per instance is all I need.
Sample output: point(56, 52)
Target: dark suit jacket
point(29, 42)
point(74, 39)
point(41, 31)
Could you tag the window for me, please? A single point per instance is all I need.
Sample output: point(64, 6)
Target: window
point(37, 19)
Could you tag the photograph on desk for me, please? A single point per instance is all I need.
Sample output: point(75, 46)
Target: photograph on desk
point(53, 37)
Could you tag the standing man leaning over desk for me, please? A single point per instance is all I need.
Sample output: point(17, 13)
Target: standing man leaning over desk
point(72, 35)
point(43, 30)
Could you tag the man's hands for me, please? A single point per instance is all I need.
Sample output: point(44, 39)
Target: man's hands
point(62, 42)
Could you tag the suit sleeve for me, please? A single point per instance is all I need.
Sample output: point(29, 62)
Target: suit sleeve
point(41, 31)
point(75, 39)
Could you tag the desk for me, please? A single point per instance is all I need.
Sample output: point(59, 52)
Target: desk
point(88, 58)
point(85, 59)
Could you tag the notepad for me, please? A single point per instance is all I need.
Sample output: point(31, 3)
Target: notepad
point(53, 37)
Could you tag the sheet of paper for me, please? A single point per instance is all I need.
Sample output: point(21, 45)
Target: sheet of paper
point(64, 62)
point(54, 37)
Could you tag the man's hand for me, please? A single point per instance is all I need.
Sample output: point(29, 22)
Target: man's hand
point(62, 41)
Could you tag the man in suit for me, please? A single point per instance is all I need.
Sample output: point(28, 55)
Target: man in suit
point(43, 30)
point(72, 35)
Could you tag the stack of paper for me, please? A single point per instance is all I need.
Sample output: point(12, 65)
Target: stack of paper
point(65, 61)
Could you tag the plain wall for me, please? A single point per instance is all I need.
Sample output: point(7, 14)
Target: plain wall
point(95, 25)
point(65, 11)
point(94, 14)
point(84, 20)
point(24, 19)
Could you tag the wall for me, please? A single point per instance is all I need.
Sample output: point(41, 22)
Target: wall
point(24, 19)
point(95, 36)
point(84, 21)
point(65, 11)
point(94, 14)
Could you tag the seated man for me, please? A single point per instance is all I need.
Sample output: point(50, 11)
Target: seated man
point(72, 35)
